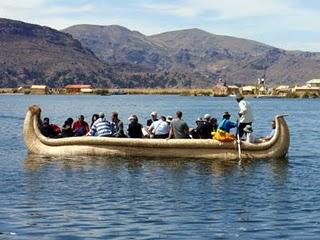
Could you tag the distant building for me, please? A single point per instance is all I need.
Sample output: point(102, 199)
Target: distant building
point(39, 89)
point(77, 88)
point(220, 90)
point(233, 90)
point(283, 90)
point(313, 83)
point(248, 90)
point(306, 91)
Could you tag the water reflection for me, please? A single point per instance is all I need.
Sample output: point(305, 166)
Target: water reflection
point(275, 168)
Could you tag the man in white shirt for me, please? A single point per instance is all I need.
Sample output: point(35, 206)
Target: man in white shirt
point(245, 114)
point(160, 128)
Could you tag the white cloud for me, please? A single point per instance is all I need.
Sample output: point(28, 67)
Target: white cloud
point(57, 10)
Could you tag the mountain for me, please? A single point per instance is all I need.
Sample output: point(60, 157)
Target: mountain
point(202, 56)
point(33, 54)
point(114, 56)
point(116, 44)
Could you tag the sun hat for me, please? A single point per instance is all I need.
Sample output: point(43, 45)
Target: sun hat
point(226, 114)
point(132, 117)
point(101, 115)
point(207, 116)
point(153, 114)
point(169, 118)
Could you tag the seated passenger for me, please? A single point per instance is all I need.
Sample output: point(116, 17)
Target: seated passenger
point(214, 123)
point(118, 125)
point(273, 126)
point(47, 129)
point(206, 128)
point(169, 119)
point(223, 132)
point(67, 130)
point(160, 128)
point(153, 118)
point(226, 124)
point(94, 118)
point(194, 132)
point(179, 128)
point(80, 127)
point(101, 127)
point(134, 128)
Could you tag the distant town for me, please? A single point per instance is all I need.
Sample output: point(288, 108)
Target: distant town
point(311, 89)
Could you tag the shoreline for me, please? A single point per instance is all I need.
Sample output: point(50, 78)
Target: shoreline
point(145, 91)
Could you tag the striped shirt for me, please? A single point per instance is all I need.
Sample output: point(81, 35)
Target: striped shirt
point(101, 127)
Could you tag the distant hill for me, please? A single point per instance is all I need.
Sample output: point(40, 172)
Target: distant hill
point(204, 56)
point(113, 56)
point(32, 54)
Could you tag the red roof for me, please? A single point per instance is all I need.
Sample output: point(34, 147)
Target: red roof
point(72, 86)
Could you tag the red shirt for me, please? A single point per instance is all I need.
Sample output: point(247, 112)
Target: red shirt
point(84, 125)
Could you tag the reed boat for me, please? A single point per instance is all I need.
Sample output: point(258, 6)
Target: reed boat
point(36, 143)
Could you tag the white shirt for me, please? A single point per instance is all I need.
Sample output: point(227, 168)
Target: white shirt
point(246, 112)
point(159, 127)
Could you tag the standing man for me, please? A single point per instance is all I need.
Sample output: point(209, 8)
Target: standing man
point(245, 114)
point(179, 128)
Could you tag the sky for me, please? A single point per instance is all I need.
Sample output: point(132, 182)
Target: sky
point(287, 24)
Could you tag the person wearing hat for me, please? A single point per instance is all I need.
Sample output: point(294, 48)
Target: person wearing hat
point(245, 114)
point(273, 131)
point(225, 124)
point(101, 127)
point(194, 132)
point(169, 119)
point(80, 127)
point(160, 128)
point(206, 128)
point(153, 118)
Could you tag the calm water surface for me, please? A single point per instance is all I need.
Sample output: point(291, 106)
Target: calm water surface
point(116, 198)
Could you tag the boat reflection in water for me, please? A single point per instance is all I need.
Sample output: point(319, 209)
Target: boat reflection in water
point(274, 168)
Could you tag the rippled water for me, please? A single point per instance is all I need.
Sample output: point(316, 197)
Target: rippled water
point(117, 198)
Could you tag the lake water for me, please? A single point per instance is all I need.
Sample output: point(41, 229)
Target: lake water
point(116, 198)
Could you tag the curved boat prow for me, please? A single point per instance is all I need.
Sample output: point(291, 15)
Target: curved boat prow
point(36, 143)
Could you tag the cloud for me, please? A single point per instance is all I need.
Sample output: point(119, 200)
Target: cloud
point(57, 10)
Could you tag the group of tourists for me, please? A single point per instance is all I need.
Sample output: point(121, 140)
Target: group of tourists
point(164, 127)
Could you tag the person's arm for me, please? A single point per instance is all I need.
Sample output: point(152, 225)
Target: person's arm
point(87, 129)
point(151, 127)
point(170, 133)
point(92, 131)
point(243, 107)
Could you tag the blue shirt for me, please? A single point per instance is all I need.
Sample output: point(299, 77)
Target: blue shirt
point(101, 127)
point(226, 125)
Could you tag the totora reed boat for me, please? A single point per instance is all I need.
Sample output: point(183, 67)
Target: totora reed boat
point(36, 143)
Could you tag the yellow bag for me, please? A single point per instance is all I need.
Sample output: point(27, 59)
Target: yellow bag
point(223, 136)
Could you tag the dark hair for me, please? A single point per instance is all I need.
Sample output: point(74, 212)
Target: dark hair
point(179, 114)
point(46, 120)
point(163, 118)
point(114, 114)
point(94, 117)
point(70, 120)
